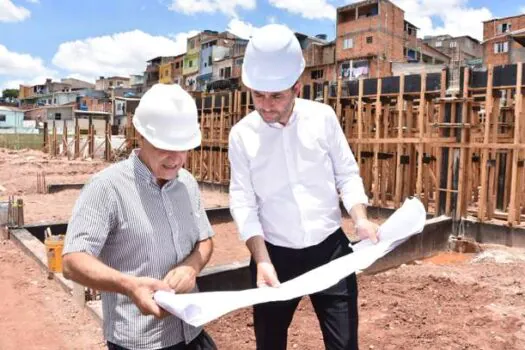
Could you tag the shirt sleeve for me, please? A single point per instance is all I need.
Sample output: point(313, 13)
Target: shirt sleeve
point(346, 170)
point(243, 203)
point(92, 220)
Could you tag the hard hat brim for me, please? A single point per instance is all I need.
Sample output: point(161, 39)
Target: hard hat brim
point(272, 85)
point(170, 145)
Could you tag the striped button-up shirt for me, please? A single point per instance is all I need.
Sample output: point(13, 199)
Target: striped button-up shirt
point(133, 225)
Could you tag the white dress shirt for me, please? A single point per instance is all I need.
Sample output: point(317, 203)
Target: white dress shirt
point(285, 179)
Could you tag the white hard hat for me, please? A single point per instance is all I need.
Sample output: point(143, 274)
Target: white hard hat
point(273, 60)
point(167, 117)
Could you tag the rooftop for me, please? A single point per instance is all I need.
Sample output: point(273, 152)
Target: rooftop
point(10, 109)
point(501, 18)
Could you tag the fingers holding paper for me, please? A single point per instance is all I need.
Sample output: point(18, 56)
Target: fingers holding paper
point(367, 229)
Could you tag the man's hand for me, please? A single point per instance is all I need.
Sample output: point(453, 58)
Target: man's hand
point(141, 290)
point(182, 278)
point(367, 229)
point(266, 275)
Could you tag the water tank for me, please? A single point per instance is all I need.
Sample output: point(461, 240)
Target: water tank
point(321, 36)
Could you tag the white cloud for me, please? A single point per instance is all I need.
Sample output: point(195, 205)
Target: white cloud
point(117, 54)
point(310, 9)
point(243, 29)
point(21, 65)
point(9, 12)
point(240, 28)
point(38, 80)
point(85, 78)
point(522, 9)
point(33, 1)
point(228, 7)
point(457, 16)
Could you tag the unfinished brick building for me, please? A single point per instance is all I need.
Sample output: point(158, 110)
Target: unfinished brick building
point(504, 40)
point(373, 34)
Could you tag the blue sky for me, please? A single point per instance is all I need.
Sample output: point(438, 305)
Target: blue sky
point(85, 39)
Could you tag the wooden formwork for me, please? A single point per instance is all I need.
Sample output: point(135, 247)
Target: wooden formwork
point(494, 179)
point(395, 127)
point(74, 146)
point(461, 154)
point(217, 114)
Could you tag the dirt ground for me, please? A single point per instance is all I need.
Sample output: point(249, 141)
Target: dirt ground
point(36, 313)
point(450, 301)
point(19, 178)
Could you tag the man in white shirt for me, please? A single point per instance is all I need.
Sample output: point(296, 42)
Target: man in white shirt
point(289, 158)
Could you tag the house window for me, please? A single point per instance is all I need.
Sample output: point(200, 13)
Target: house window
point(176, 65)
point(369, 39)
point(190, 64)
point(166, 73)
point(192, 44)
point(209, 61)
point(225, 72)
point(239, 61)
point(439, 43)
point(453, 44)
point(504, 27)
point(2, 117)
point(58, 116)
point(317, 74)
point(348, 43)
point(501, 47)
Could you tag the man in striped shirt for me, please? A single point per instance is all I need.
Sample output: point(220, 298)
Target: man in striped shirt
point(139, 226)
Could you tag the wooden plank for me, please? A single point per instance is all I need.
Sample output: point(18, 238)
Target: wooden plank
point(492, 170)
point(465, 156)
point(399, 167)
point(201, 151)
point(221, 136)
point(76, 153)
point(451, 159)
point(359, 120)
point(385, 176)
point(377, 124)
point(484, 154)
point(514, 206)
point(211, 141)
point(420, 126)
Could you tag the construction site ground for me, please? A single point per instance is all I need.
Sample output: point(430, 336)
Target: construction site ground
point(450, 301)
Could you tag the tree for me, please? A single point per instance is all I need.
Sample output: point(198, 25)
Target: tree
point(10, 93)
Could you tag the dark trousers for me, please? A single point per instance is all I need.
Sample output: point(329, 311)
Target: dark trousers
point(335, 307)
point(202, 342)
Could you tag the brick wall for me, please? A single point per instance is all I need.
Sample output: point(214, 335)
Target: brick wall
point(491, 35)
point(490, 57)
point(387, 30)
point(329, 74)
point(490, 28)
